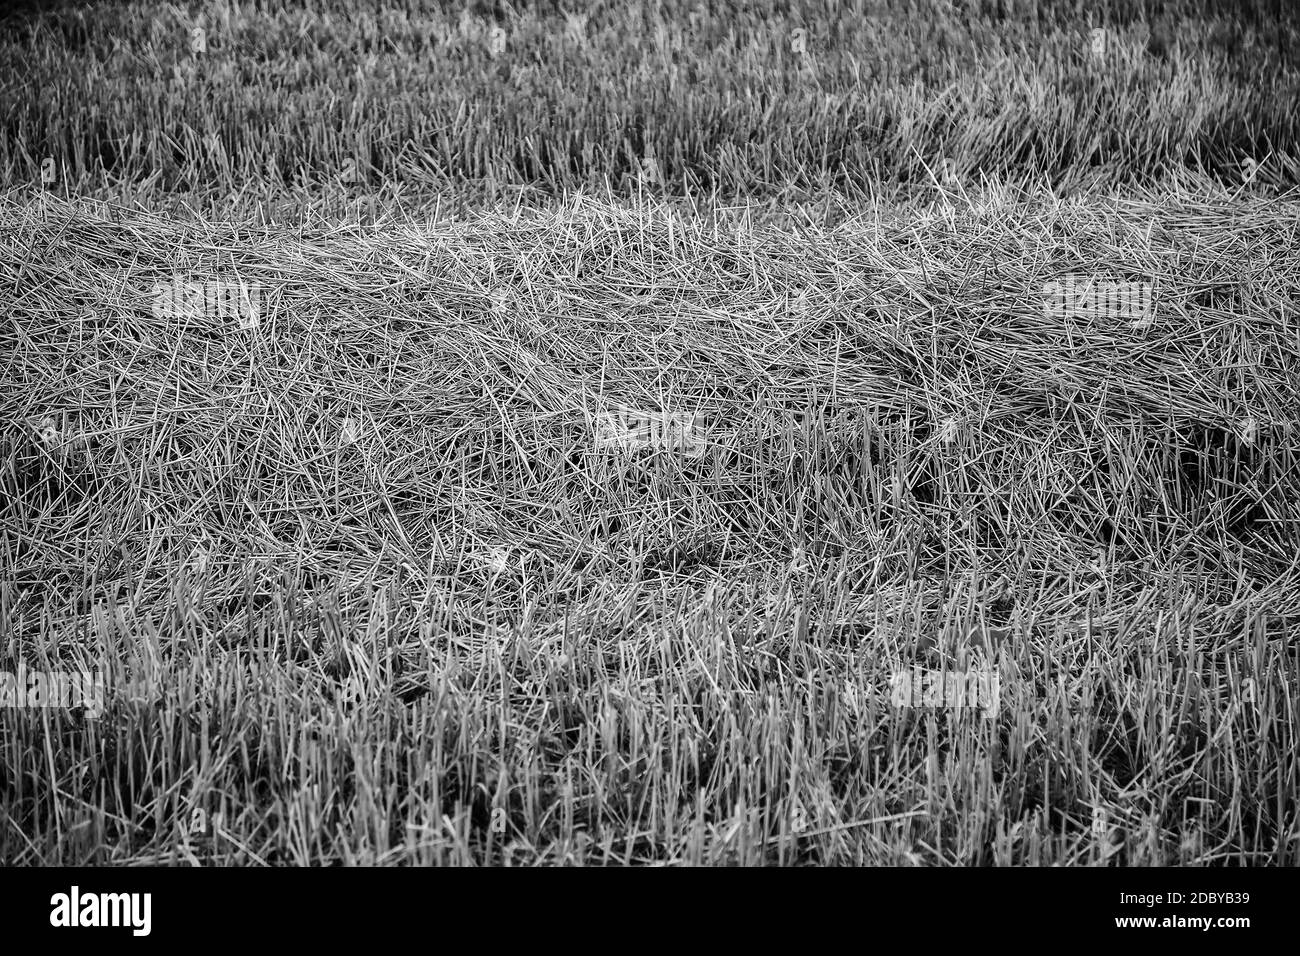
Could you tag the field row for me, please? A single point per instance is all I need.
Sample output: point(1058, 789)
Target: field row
point(238, 100)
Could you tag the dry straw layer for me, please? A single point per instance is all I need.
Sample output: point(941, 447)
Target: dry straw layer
point(374, 577)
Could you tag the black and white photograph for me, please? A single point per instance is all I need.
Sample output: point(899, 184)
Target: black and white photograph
point(836, 434)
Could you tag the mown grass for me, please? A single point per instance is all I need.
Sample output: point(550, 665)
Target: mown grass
point(364, 581)
point(411, 97)
point(473, 636)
